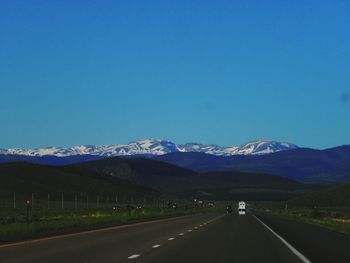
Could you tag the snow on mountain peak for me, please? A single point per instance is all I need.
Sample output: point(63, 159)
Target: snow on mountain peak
point(155, 147)
point(264, 147)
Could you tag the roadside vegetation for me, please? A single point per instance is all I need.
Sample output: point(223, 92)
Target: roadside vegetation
point(17, 224)
point(333, 218)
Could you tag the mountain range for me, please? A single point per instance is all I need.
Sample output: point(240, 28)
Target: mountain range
point(305, 165)
point(329, 166)
point(154, 147)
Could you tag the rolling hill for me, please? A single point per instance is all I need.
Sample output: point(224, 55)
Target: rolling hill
point(328, 166)
point(48, 159)
point(25, 178)
point(334, 196)
point(137, 177)
point(186, 183)
point(139, 170)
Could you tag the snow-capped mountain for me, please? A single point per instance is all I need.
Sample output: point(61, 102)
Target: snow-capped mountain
point(204, 148)
point(263, 147)
point(250, 148)
point(155, 147)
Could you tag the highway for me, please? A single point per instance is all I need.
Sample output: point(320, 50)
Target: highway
point(194, 238)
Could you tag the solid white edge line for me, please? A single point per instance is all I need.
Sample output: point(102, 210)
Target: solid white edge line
point(134, 256)
point(296, 252)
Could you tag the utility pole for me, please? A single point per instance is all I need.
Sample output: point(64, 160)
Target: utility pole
point(62, 201)
point(14, 200)
point(48, 201)
point(32, 200)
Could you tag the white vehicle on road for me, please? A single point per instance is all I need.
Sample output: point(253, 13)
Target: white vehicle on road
point(241, 208)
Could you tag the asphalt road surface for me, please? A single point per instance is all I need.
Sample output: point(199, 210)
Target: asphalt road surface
point(196, 238)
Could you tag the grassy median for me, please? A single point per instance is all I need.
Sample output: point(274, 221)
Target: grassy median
point(17, 225)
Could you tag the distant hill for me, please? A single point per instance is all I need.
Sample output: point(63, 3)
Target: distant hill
point(186, 183)
point(139, 170)
point(25, 178)
point(333, 196)
point(136, 177)
point(245, 186)
point(48, 159)
point(305, 165)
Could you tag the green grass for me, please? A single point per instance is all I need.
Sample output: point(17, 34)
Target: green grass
point(333, 218)
point(15, 226)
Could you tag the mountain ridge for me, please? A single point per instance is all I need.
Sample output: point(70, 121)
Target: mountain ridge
point(306, 165)
point(155, 147)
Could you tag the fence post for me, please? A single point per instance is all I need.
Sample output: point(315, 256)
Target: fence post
point(28, 207)
point(76, 202)
point(32, 201)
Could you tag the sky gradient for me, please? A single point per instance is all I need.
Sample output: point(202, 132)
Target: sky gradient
point(223, 72)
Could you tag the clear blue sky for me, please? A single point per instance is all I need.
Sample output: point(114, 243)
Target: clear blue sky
point(224, 72)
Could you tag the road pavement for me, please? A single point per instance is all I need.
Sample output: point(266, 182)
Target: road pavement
point(316, 243)
point(195, 238)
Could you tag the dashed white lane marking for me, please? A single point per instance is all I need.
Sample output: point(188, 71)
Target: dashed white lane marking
point(181, 234)
point(156, 246)
point(134, 256)
point(296, 252)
